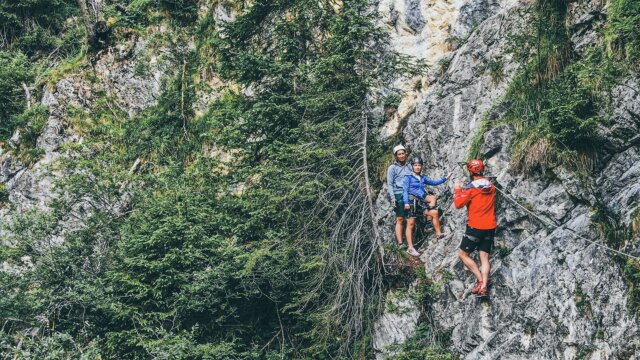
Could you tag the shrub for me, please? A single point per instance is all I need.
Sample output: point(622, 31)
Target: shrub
point(14, 70)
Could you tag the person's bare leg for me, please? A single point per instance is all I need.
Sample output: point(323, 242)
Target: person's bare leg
point(485, 268)
point(435, 220)
point(431, 200)
point(470, 264)
point(410, 224)
point(399, 226)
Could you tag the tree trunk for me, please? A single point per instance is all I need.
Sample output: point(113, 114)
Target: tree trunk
point(88, 22)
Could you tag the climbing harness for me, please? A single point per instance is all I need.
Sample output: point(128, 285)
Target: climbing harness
point(445, 198)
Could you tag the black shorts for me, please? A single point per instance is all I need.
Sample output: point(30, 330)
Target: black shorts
point(476, 239)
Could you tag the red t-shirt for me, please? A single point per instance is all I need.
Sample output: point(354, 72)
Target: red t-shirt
point(478, 196)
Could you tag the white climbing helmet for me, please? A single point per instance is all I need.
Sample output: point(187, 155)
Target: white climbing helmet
point(398, 148)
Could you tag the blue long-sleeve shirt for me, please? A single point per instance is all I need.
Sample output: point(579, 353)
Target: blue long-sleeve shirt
point(415, 186)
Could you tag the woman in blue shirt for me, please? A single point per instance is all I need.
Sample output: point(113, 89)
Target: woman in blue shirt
point(416, 199)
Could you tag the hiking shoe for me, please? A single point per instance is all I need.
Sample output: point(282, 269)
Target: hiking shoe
point(477, 288)
point(402, 245)
point(413, 252)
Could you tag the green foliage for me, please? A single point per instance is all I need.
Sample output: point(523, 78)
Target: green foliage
point(478, 138)
point(557, 99)
point(503, 251)
point(31, 123)
point(33, 25)
point(392, 100)
point(35, 34)
point(393, 302)
point(227, 241)
point(607, 224)
point(631, 272)
point(616, 236)
point(14, 70)
point(185, 11)
point(531, 327)
point(4, 194)
point(582, 302)
point(584, 352)
point(622, 33)
point(443, 65)
point(495, 68)
point(424, 344)
point(426, 289)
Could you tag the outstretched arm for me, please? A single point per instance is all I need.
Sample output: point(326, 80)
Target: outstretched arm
point(436, 182)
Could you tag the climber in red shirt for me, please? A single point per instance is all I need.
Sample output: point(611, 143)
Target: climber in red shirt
point(478, 197)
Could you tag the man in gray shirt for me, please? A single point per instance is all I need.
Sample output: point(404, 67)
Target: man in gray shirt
point(395, 180)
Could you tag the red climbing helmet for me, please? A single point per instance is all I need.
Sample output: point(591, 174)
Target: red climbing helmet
point(475, 167)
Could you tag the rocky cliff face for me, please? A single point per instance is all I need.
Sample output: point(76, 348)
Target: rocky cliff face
point(132, 91)
point(553, 295)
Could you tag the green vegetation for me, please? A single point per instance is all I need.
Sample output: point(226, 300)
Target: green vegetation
point(585, 351)
point(245, 232)
point(36, 35)
point(631, 272)
point(34, 26)
point(531, 327)
point(558, 97)
point(392, 100)
point(582, 302)
point(229, 240)
point(503, 251)
point(424, 344)
point(392, 303)
point(478, 138)
point(622, 34)
point(495, 68)
point(554, 113)
point(4, 194)
point(14, 71)
point(608, 225)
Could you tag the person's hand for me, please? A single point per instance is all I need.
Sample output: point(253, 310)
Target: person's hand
point(394, 204)
point(407, 206)
point(457, 185)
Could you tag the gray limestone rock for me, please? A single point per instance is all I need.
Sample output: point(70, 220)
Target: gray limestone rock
point(622, 128)
point(14, 141)
point(584, 20)
point(413, 15)
point(471, 15)
point(396, 325)
point(555, 292)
